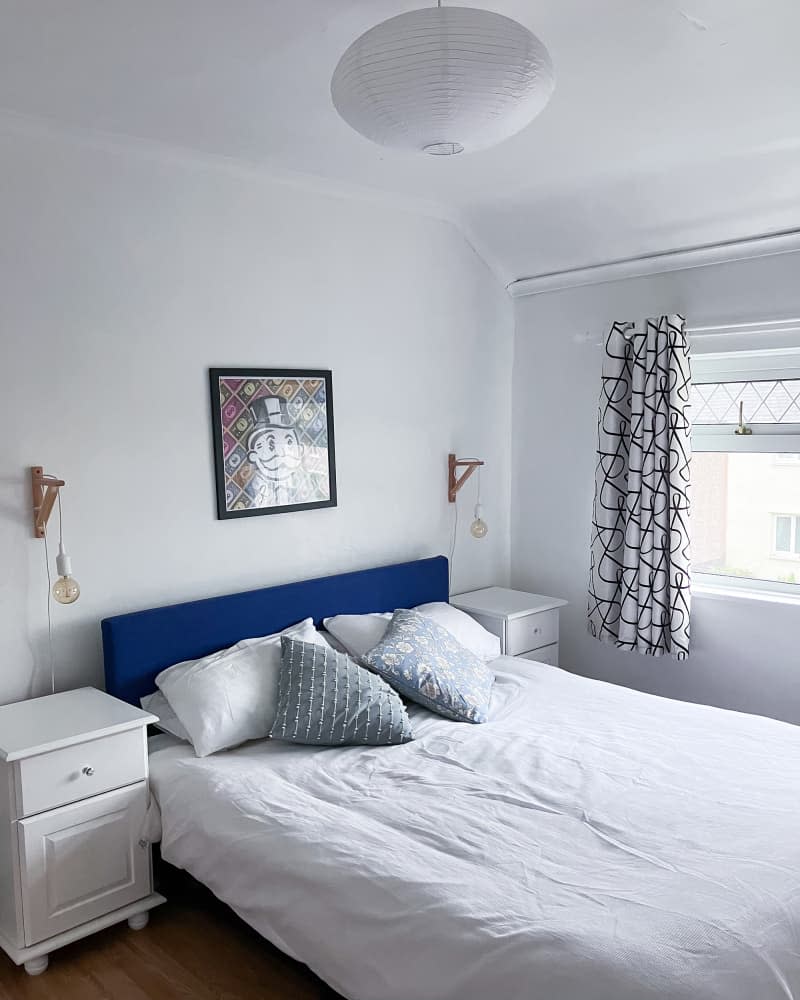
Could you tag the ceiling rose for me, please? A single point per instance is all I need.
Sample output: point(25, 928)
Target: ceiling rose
point(443, 80)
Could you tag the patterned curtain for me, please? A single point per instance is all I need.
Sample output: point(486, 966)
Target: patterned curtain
point(639, 583)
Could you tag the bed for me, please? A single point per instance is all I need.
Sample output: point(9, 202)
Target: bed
point(587, 842)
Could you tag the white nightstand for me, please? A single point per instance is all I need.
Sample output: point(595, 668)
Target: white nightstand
point(73, 796)
point(527, 624)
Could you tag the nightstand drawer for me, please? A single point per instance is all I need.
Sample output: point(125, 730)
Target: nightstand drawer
point(77, 772)
point(531, 631)
point(546, 654)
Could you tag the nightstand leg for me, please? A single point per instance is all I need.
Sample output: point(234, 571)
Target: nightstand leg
point(138, 921)
point(36, 966)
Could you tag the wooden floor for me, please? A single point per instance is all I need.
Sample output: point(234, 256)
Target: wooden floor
point(194, 948)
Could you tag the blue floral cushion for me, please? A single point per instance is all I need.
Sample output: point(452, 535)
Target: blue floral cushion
point(424, 662)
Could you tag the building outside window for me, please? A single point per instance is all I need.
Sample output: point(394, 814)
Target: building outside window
point(746, 487)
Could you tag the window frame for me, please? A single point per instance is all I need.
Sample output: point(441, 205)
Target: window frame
point(778, 439)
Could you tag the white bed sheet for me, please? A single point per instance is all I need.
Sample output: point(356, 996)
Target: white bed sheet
point(588, 843)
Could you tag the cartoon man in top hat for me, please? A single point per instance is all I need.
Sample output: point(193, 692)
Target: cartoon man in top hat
point(275, 451)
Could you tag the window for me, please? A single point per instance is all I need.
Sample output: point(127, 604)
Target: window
point(746, 487)
point(787, 536)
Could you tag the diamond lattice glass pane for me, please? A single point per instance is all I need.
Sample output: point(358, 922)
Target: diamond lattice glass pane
point(753, 395)
point(723, 401)
point(776, 401)
point(701, 412)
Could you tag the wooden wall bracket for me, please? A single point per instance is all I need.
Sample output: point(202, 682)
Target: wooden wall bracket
point(454, 481)
point(44, 490)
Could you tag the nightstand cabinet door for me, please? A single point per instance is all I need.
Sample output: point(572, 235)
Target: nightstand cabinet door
point(82, 861)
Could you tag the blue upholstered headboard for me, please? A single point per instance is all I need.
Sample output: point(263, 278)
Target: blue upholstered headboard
point(138, 646)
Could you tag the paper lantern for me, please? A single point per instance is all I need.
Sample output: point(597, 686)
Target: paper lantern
point(443, 80)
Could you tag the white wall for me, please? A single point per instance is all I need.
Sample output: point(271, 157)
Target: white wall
point(124, 275)
point(744, 653)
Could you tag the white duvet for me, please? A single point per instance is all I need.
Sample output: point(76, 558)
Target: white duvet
point(588, 843)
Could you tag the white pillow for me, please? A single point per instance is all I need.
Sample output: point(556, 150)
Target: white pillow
point(157, 703)
point(361, 633)
point(332, 641)
point(167, 719)
point(464, 628)
point(358, 633)
point(230, 697)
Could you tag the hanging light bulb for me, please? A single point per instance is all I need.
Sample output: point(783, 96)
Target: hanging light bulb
point(478, 528)
point(66, 589)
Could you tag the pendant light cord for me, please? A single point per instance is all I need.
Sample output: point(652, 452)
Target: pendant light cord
point(452, 547)
point(49, 615)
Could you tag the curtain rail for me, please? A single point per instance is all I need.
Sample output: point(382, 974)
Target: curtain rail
point(731, 329)
point(788, 325)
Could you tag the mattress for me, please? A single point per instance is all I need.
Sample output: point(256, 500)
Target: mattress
point(588, 843)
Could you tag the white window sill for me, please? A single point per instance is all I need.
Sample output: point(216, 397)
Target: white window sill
point(723, 593)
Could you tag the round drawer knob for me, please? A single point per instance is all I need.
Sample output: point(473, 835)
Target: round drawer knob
point(88, 771)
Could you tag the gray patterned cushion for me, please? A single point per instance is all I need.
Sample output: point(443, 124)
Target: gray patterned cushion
point(427, 664)
point(326, 698)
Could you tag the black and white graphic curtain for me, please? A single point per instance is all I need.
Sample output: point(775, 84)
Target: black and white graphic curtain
point(639, 582)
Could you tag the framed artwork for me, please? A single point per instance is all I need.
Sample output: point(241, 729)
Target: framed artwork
point(273, 440)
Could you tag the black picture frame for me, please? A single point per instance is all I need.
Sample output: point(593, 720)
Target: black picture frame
point(225, 428)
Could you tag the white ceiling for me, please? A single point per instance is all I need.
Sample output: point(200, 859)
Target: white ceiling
point(674, 122)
